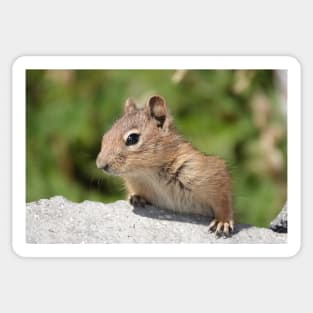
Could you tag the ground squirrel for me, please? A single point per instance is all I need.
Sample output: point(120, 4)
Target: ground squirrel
point(161, 168)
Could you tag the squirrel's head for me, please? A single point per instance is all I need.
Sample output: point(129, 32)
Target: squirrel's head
point(138, 140)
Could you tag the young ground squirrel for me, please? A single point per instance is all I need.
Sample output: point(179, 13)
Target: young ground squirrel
point(160, 168)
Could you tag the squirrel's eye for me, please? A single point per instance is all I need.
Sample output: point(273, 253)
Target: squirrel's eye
point(132, 139)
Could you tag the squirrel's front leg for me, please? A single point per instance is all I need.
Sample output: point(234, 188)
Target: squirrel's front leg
point(135, 191)
point(223, 223)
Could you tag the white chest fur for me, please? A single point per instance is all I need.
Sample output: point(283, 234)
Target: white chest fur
point(169, 194)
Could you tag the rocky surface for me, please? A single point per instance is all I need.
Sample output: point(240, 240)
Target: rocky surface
point(280, 223)
point(58, 220)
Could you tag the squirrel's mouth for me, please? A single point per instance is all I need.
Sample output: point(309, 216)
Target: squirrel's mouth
point(106, 168)
point(109, 171)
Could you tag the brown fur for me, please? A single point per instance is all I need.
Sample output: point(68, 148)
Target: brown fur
point(163, 169)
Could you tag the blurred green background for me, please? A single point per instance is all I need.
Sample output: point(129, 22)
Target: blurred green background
point(235, 114)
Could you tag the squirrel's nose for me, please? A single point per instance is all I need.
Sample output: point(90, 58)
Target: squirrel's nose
point(101, 165)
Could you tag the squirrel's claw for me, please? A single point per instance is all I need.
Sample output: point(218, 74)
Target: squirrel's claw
point(136, 200)
point(221, 228)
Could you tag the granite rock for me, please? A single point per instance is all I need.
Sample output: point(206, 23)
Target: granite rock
point(58, 220)
point(280, 223)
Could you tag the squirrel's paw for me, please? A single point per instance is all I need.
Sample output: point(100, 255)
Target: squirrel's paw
point(136, 200)
point(221, 228)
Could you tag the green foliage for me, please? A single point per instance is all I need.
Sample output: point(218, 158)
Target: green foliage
point(233, 114)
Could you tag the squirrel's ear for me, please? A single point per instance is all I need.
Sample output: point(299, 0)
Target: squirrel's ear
point(157, 109)
point(129, 106)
